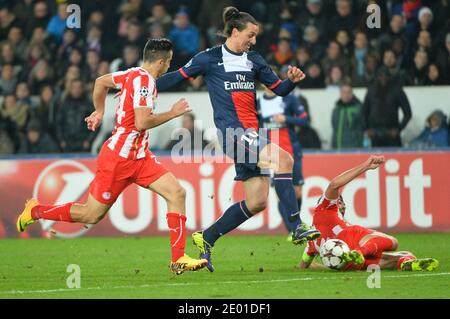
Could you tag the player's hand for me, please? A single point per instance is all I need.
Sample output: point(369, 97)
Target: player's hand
point(279, 118)
point(94, 120)
point(180, 107)
point(375, 161)
point(295, 74)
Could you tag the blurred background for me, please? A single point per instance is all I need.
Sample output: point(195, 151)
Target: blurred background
point(383, 89)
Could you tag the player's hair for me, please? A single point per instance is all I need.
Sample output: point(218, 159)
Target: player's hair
point(156, 49)
point(233, 18)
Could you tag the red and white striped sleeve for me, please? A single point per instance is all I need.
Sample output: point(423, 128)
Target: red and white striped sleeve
point(144, 89)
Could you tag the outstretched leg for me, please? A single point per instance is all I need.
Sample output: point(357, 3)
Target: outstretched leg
point(89, 213)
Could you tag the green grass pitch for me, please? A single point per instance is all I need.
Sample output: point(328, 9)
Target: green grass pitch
point(246, 267)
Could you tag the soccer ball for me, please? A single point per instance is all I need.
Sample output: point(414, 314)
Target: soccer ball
point(331, 253)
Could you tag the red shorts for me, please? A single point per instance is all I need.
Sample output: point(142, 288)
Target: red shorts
point(353, 234)
point(114, 173)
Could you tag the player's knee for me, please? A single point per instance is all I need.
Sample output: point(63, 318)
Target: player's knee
point(179, 194)
point(94, 219)
point(286, 162)
point(256, 205)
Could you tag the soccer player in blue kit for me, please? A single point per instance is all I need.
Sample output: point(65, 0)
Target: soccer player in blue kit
point(230, 71)
point(280, 115)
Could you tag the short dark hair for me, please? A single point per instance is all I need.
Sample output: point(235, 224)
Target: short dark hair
point(156, 49)
point(232, 18)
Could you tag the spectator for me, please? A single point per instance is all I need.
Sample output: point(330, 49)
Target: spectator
point(436, 132)
point(396, 31)
point(302, 58)
point(185, 37)
point(409, 10)
point(283, 55)
point(45, 110)
point(17, 113)
point(210, 19)
point(418, 73)
point(92, 64)
point(346, 120)
point(189, 138)
point(344, 40)
point(131, 56)
point(425, 22)
point(7, 20)
point(433, 76)
point(382, 102)
point(23, 94)
point(133, 37)
point(312, 40)
point(443, 60)
point(40, 18)
point(334, 57)
point(359, 59)
point(94, 40)
point(7, 81)
point(37, 140)
point(336, 78)
point(314, 77)
point(161, 18)
point(8, 56)
point(313, 16)
point(343, 20)
point(41, 74)
point(390, 63)
point(57, 23)
point(18, 42)
point(70, 127)
point(7, 132)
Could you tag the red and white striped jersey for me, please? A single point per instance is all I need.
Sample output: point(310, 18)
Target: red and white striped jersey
point(138, 89)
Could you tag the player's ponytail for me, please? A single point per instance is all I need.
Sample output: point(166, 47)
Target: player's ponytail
point(232, 18)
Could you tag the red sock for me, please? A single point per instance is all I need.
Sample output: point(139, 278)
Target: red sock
point(52, 212)
point(405, 258)
point(176, 223)
point(376, 246)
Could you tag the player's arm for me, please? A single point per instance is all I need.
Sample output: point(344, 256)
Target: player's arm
point(146, 119)
point(198, 65)
point(332, 191)
point(101, 87)
point(266, 76)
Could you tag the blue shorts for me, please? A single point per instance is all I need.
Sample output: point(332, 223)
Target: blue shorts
point(244, 146)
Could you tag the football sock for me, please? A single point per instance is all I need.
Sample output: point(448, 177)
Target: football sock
point(299, 203)
point(235, 215)
point(376, 246)
point(291, 226)
point(177, 231)
point(52, 212)
point(286, 195)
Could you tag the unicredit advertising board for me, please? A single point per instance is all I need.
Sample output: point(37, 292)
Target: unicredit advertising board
point(410, 193)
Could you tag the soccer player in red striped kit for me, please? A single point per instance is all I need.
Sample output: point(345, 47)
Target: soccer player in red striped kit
point(125, 158)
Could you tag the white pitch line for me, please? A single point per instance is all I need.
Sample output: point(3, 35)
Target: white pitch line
point(44, 291)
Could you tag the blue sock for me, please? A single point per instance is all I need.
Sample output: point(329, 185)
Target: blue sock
point(235, 215)
point(290, 226)
point(286, 195)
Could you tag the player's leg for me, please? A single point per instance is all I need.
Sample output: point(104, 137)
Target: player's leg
point(374, 243)
point(89, 213)
point(256, 192)
point(170, 189)
point(274, 157)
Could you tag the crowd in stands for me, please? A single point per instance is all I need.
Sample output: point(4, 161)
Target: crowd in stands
point(47, 70)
